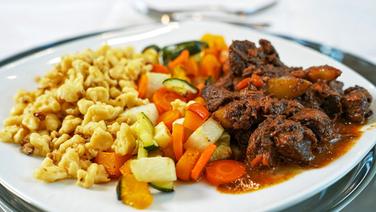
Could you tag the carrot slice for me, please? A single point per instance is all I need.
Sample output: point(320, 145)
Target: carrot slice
point(202, 161)
point(163, 97)
point(243, 83)
point(169, 117)
point(199, 109)
point(142, 86)
point(112, 162)
point(186, 163)
point(257, 81)
point(224, 171)
point(192, 120)
point(177, 140)
point(256, 161)
point(191, 67)
point(158, 68)
point(181, 59)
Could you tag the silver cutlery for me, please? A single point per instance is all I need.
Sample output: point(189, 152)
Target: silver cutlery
point(180, 15)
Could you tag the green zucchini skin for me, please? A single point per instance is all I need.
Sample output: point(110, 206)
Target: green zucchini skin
point(163, 188)
point(170, 52)
point(153, 46)
point(180, 86)
point(118, 189)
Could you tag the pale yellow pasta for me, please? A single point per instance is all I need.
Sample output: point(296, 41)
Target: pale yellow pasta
point(99, 112)
point(41, 144)
point(69, 124)
point(94, 174)
point(125, 142)
point(13, 120)
point(70, 161)
point(75, 113)
point(49, 172)
point(90, 127)
point(7, 133)
point(58, 141)
point(83, 105)
point(178, 105)
point(98, 94)
point(20, 135)
point(72, 142)
point(52, 122)
point(101, 140)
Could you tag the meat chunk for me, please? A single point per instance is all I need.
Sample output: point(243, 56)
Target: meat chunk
point(321, 95)
point(216, 96)
point(318, 122)
point(277, 140)
point(252, 108)
point(283, 121)
point(244, 56)
point(238, 55)
point(356, 102)
point(268, 53)
point(226, 81)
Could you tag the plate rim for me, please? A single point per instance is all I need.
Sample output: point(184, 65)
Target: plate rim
point(18, 56)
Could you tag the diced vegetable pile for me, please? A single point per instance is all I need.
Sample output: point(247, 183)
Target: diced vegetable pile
point(174, 136)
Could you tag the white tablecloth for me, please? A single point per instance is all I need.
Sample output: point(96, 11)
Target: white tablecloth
point(346, 24)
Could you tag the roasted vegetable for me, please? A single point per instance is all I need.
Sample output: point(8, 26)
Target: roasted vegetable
point(112, 162)
point(180, 73)
point(287, 87)
point(224, 171)
point(153, 46)
point(155, 82)
point(203, 136)
point(144, 130)
point(150, 110)
point(141, 151)
point(163, 186)
point(155, 169)
point(223, 150)
point(134, 193)
point(162, 135)
point(170, 52)
point(180, 86)
point(186, 163)
point(327, 73)
point(220, 115)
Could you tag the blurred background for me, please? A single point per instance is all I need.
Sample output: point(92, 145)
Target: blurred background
point(346, 24)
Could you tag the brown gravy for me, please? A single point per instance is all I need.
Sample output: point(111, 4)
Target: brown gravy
point(258, 179)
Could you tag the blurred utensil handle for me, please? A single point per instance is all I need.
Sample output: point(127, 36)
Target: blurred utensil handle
point(142, 6)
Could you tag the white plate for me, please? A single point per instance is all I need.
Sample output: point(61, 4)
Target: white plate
point(16, 169)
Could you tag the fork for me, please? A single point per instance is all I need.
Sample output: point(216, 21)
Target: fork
point(178, 15)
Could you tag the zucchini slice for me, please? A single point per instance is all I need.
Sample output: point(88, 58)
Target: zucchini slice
point(170, 52)
point(118, 189)
point(145, 130)
point(180, 86)
point(141, 151)
point(163, 186)
point(155, 169)
point(153, 46)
